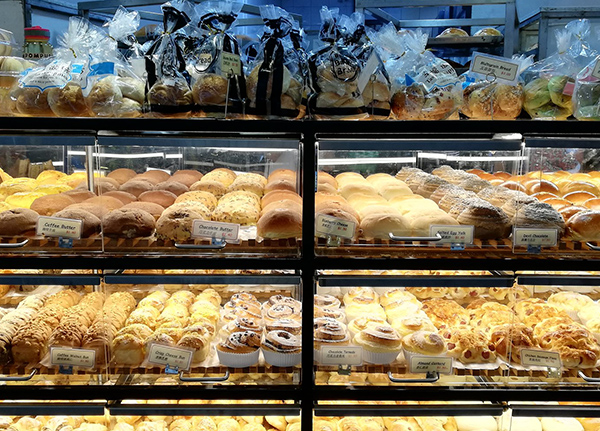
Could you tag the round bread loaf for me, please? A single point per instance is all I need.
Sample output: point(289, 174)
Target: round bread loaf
point(96, 209)
point(281, 184)
point(542, 186)
point(90, 223)
point(216, 188)
point(513, 185)
point(409, 205)
point(279, 174)
point(107, 202)
point(79, 195)
point(240, 196)
point(122, 175)
point(221, 175)
point(172, 186)
point(326, 188)
point(155, 176)
point(592, 204)
point(128, 223)
point(206, 198)
point(541, 196)
point(557, 203)
point(287, 204)
point(155, 209)
point(569, 211)
point(325, 178)
point(23, 199)
point(329, 207)
point(161, 197)
point(49, 204)
point(579, 186)
point(379, 226)
point(490, 222)
point(102, 185)
point(349, 178)
point(18, 221)
point(186, 176)
point(280, 223)
point(578, 197)
point(584, 226)
point(277, 195)
point(124, 197)
point(176, 222)
point(352, 188)
point(137, 186)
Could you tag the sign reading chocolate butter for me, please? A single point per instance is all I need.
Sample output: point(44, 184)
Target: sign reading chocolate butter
point(230, 64)
point(540, 237)
point(72, 357)
point(344, 355)
point(453, 234)
point(59, 227)
point(596, 71)
point(214, 229)
point(541, 358)
point(496, 68)
point(426, 364)
point(180, 359)
point(333, 226)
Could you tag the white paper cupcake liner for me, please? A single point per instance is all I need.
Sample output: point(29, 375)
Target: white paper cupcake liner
point(238, 360)
point(379, 358)
point(282, 359)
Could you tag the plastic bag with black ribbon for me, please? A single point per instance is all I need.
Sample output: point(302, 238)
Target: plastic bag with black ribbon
point(274, 86)
point(373, 82)
point(334, 73)
point(219, 86)
point(167, 89)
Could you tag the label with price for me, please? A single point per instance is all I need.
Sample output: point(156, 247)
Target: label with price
point(59, 227)
point(500, 68)
point(214, 229)
point(426, 364)
point(63, 356)
point(541, 358)
point(172, 357)
point(535, 237)
point(230, 64)
point(453, 234)
point(346, 355)
point(333, 226)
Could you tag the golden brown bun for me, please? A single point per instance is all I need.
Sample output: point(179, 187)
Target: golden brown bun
point(155, 209)
point(324, 177)
point(321, 197)
point(172, 186)
point(569, 211)
point(537, 186)
point(337, 210)
point(96, 209)
point(90, 223)
point(137, 186)
point(186, 176)
point(280, 174)
point(592, 204)
point(176, 222)
point(155, 176)
point(278, 195)
point(424, 343)
point(107, 202)
point(124, 197)
point(18, 221)
point(161, 197)
point(589, 424)
point(541, 196)
point(584, 226)
point(557, 203)
point(579, 186)
point(579, 197)
point(453, 32)
point(49, 204)
point(79, 195)
point(513, 185)
point(281, 184)
point(216, 188)
point(280, 223)
point(327, 206)
point(286, 203)
point(122, 175)
point(128, 223)
point(222, 175)
point(381, 225)
point(327, 188)
point(210, 89)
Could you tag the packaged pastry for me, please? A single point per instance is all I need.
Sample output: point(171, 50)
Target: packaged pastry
point(275, 82)
point(334, 73)
point(167, 90)
point(10, 70)
point(424, 87)
point(549, 83)
point(216, 70)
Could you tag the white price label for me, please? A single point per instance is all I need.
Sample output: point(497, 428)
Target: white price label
point(541, 358)
point(214, 229)
point(596, 71)
point(499, 68)
point(453, 234)
point(59, 227)
point(368, 71)
point(345, 355)
point(333, 226)
point(72, 357)
point(180, 359)
point(425, 364)
point(230, 64)
point(537, 237)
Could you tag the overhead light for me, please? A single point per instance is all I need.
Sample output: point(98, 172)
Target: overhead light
point(367, 160)
point(486, 158)
point(434, 156)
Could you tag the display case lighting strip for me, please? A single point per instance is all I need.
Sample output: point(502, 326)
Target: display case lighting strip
point(486, 159)
point(434, 156)
point(128, 156)
point(376, 160)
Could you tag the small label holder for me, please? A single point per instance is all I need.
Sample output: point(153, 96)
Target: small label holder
point(368, 71)
point(66, 358)
point(218, 232)
point(457, 236)
point(534, 239)
point(57, 227)
point(172, 358)
point(327, 226)
point(500, 68)
point(431, 364)
point(230, 64)
point(543, 358)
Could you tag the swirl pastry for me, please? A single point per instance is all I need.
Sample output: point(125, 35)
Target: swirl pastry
point(240, 350)
point(468, 345)
point(249, 309)
point(361, 295)
point(282, 342)
point(242, 324)
point(329, 332)
point(409, 324)
point(281, 311)
point(396, 295)
point(364, 322)
point(289, 325)
point(424, 343)
point(327, 301)
point(332, 313)
point(379, 339)
point(280, 299)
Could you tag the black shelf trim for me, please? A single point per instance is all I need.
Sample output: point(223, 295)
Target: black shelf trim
point(201, 279)
point(123, 409)
point(50, 280)
point(558, 280)
point(561, 411)
point(416, 144)
point(52, 409)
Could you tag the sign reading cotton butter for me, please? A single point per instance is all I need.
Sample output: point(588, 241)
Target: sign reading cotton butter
point(499, 68)
point(541, 358)
point(453, 234)
point(230, 64)
point(59, 227)
point(345, 355)
point(333, 226)
point(540, 237)
point(214, 229)
point(64, 356)
point(170, 356)
point(426, 364)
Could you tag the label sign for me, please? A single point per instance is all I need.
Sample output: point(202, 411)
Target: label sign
point(333, 226)
point(425, 364)
point(64, 356)
point(230, 64)
point(596, 71)
point(541, 358)
point(453, 234)
point(59, 227)
point(214, 229)
point(347, 355)
point(498, 67)
point(170, 356)
point(540, 237)
point(367, 72)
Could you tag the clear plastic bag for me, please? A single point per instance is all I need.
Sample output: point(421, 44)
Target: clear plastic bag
point(274, 85)
point(167, 91)
point(218, 82)
point(586, 96)
point(549, 83)
point(7, 43)
point(11, 69)
point(334, 73)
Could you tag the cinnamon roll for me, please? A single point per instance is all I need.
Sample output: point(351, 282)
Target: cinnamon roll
point(240, 350)
point(289, 325)
point(327, 301)
point(281, 311)
point(282, 349)
point(280, 299)
point(361, 295)
point(332, 313)
point(242, 324)
point(329, 333)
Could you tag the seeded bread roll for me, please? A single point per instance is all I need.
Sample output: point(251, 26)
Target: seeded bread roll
point(49, 204)
point(124, 197)
point(222, 175)
point(239, 212)
point(206, 198)
point(18, 221)
point(122, 175)
point(216, 188)
point(128, 223)
point(90, 223)
point(176, 222)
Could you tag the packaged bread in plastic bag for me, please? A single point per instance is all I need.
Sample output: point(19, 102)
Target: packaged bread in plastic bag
point(334, 73)
point(549, 83)
point(424, 87)
point(586, 96)
point(373, 82)
point(55, 88)
point(111, 88)
point(274, 84)
point(492, 89)
point(168, 91)
point(219, 86)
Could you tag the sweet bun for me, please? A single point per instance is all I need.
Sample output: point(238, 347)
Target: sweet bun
point(102, 185)
point(137, 186)
point(161, 197)
point(205, 198)
point(348, 178)
point(326, 188)
point(186, 176)
point(569, 211)
point(325, 178)
point(90, 223)
point(538, 186)
point(592, 204)
point(96, 209)
point(122, 175)
point(50, 204)
point(352, 188)
point(579, 186)
point(280, 223)
point(584, 226)
point(453, 32)
point(176, 222)
point(155, 176)
point(560, 424)
point(281, 184)
point(578, 197)
point(557, 203)
point(172, 186)
point(124, 197)
point(513, 185)
point(279, 174)
point(380, 226)
point(287, 204)
point(155, 209)
point(278, 195)
point(128, 223)
point(18, 221)
point(223, 175)
point(79, 195)
point(424, 343)
point(107, 202)
point(332, 207)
